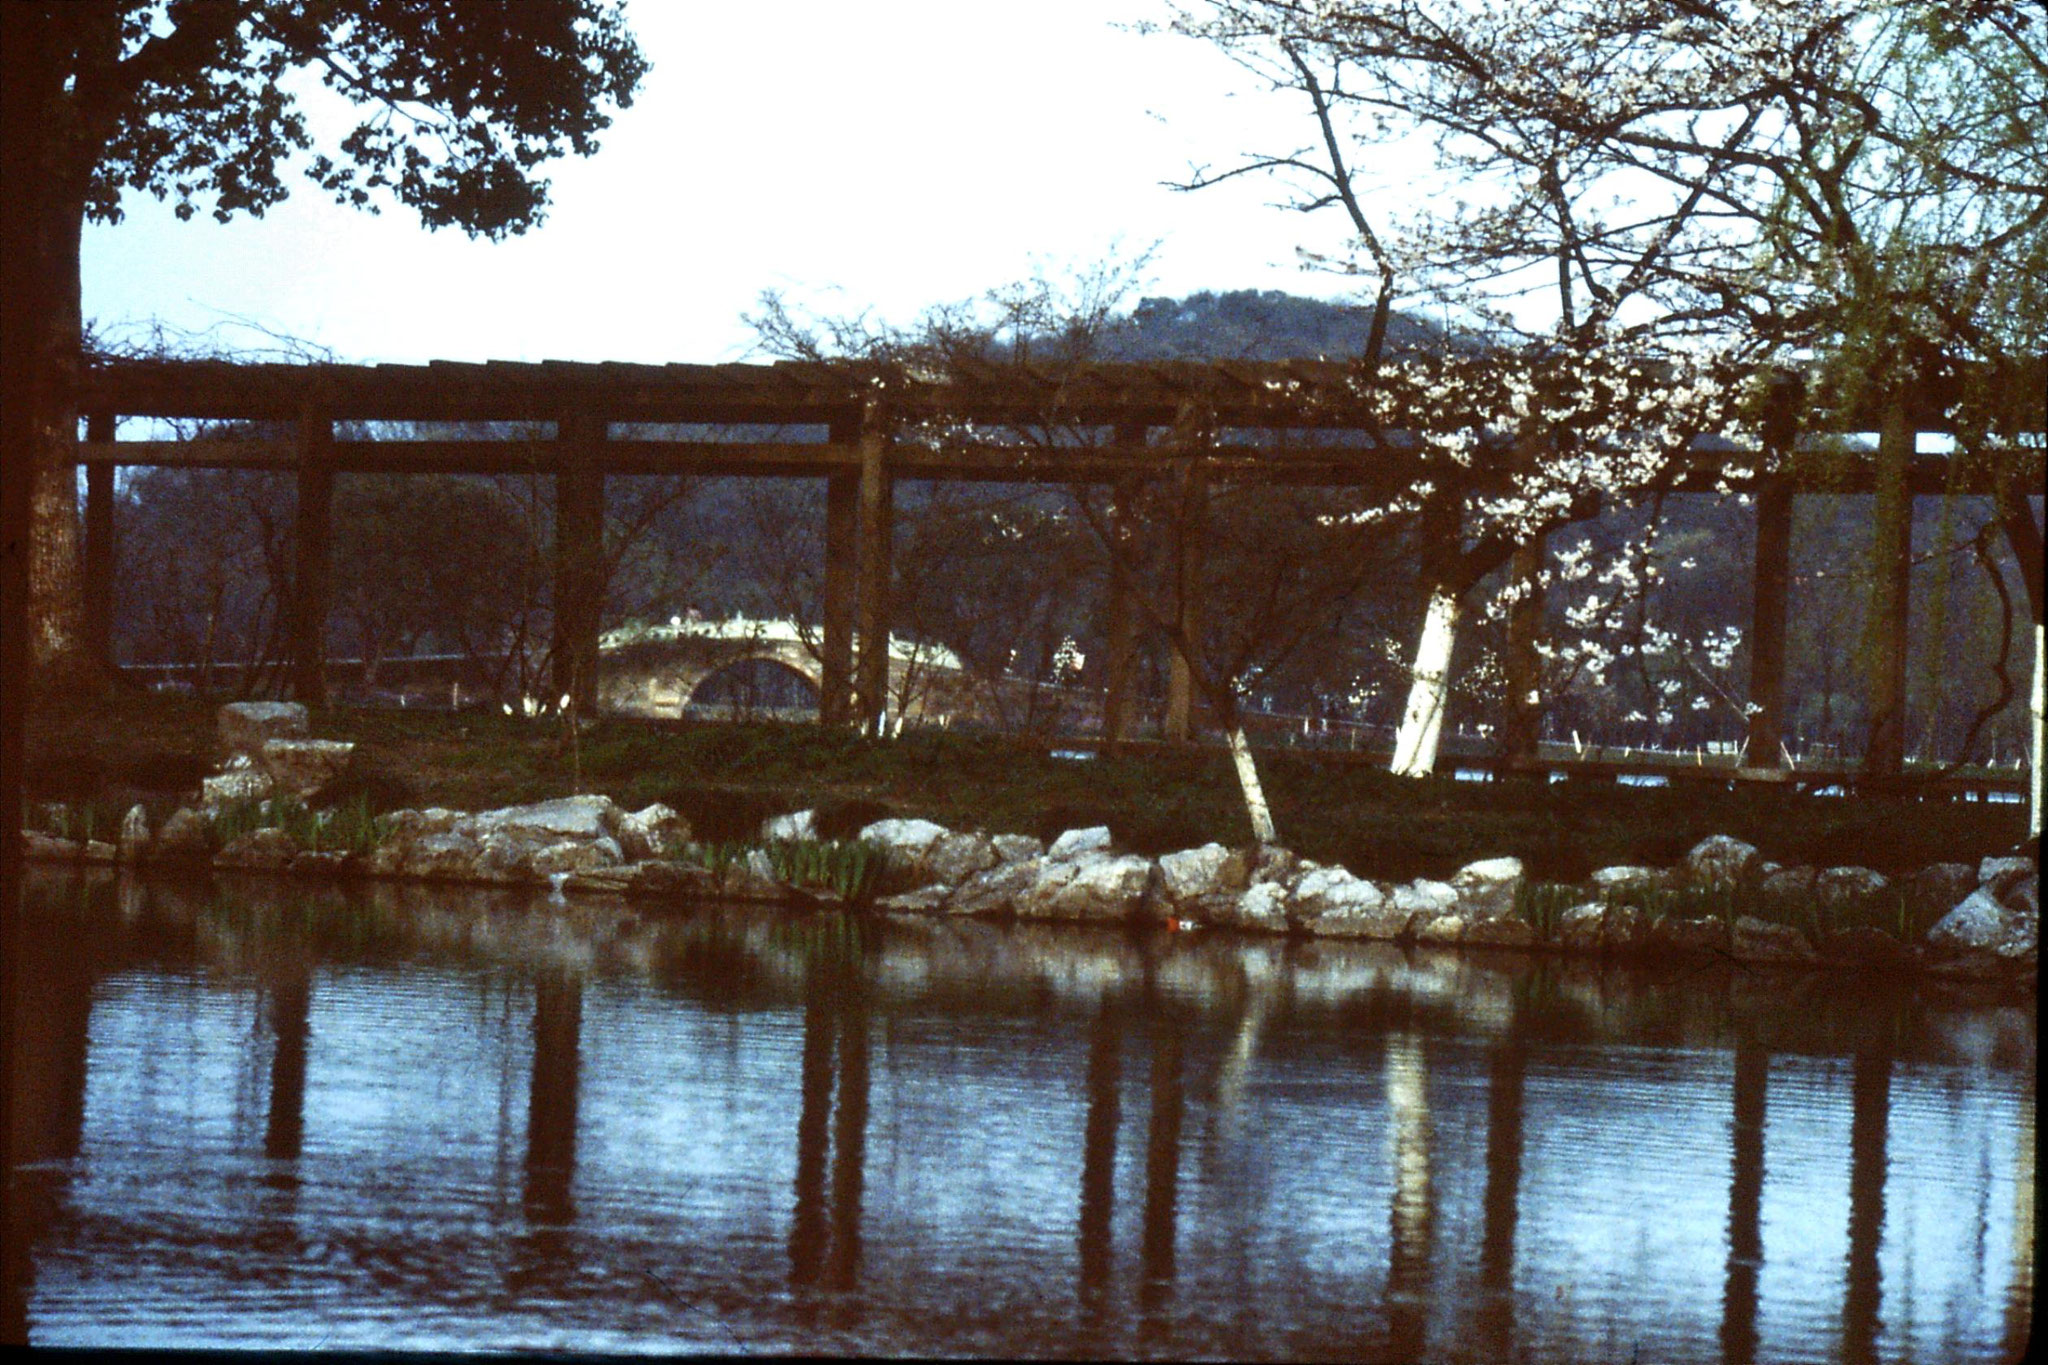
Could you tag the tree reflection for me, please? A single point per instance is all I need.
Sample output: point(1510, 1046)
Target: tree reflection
point(1503, 1192)
point(1162, 1168)
point(825, 1236)
point(551, 1105)
point(1745, 1203)
point(1098, 1162)
point(1412, 1217)
point(1870, 1116)
point(54, 974)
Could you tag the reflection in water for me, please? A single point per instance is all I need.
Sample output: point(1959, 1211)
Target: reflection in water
point(1745, 1204)
point(1162, 1166)
point(825, 1236)
point(655, 1203)
point(1413, 1213)
point(1098, 1161)
point(1503, 1196)
point(551, 1107)
point(809, 1232)
point(2019, 1293)
point(849, 1137)
point(54, 976)
point(290, 1005)
point(1870, 1116)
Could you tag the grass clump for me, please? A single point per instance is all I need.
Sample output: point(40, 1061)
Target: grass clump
point(1542, 904)
point(348, 827)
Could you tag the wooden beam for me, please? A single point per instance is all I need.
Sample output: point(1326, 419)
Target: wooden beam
point(842, 569)
point(313, 558)
point(1885, 625)
point(99, 547)
point(580, 578)
point(1764, 754)
point(1523, 722)
point(1191, 547)
point(877, 526)
point(1121, 628)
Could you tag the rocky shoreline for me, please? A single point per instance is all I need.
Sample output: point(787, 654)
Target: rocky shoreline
point(1986, 917)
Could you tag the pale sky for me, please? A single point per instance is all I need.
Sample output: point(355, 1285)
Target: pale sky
point(881, 156)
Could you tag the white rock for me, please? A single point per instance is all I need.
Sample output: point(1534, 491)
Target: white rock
point(1192, 872)
point(796, 825)
point(653, 832)
point(1424, 897)
point(565, 817)
point(904, 841)
point(1719, 858)
point(244, 725)
point(1075, 842)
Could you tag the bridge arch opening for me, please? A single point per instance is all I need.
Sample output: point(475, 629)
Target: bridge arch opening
point(756, 685)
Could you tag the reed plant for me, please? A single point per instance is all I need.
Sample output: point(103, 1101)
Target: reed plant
point(1542, 904)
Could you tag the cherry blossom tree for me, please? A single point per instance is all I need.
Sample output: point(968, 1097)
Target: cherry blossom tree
point(1685, 191)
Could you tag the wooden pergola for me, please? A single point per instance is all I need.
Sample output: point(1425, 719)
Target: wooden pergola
point(1290, 422)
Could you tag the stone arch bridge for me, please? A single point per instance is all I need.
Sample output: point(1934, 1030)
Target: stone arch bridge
point(687, 667)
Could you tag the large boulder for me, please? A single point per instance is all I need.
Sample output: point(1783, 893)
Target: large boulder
point(1423, 897)
point(1503, 931)
point(303, 766)
point(903, 844)
point(565, 817)
point(245, 725)
point(1701, 935)
point(1097, 886)
point(1331, 903)
point(1983, 926)
point(953, 858)
point(1487, 889)
point(1203, 884)
point(1719, 860)
point(996, 891)
point(1261, 908)
point(1841, 887)
point(653, 832)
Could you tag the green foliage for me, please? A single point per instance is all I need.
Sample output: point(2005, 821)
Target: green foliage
point(1542, 904)
point(851, 869)
point(191, 102)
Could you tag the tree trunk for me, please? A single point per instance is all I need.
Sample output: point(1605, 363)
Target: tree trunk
point(1254, 792)
point(2038, 731)
point(56, 592)
point(1422, 723)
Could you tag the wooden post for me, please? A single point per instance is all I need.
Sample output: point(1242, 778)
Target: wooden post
point(99, 545)
point(1764, 752)
point(877, 517)
point(579, 559)
point(842, 552)
point(314, 551)
point(1180, 679)
point(1884, 754)
point(1121, 627)
point(1523, 722)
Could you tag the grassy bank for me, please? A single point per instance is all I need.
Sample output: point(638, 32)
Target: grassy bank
point(726, 778)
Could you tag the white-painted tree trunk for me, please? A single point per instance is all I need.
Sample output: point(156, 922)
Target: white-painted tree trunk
point(1423, 722)
point(2039, 706)
point(1254, 793)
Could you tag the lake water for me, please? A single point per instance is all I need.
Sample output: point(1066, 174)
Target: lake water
point(250, 1113)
